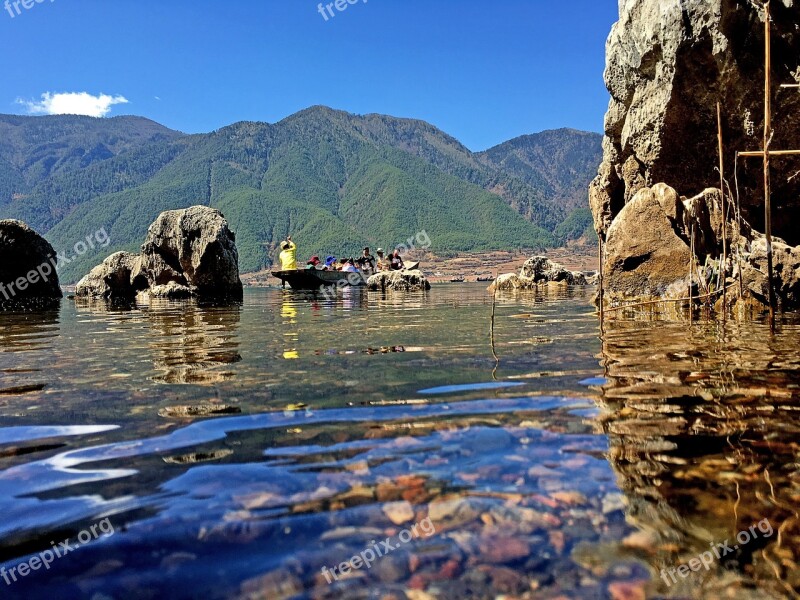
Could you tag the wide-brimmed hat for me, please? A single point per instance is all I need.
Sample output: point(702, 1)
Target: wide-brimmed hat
point(330, 260)
point(379, 251)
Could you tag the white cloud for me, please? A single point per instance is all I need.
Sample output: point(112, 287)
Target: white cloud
point(72, 103)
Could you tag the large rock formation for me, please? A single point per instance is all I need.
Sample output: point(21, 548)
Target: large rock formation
point(28, 277)
point(649, 251)
point(187, 253)
point(668, 64)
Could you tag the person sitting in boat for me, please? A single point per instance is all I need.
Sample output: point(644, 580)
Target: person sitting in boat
point(396, 263)
point(314, 263)
point(330, 264)
point(366, 262)
point(383, 262)
point(288, 256)
point(350, 266)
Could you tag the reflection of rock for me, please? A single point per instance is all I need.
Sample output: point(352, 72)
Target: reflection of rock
point(702, 436)
point(28, 275)
point(187, 253)
point(198, 410)
point(194, 344)
point(536, 271)
point(32, 335)
point(407, 281)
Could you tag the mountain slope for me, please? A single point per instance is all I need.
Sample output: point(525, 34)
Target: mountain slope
point(50, 164)
point(330, 187)
point(332, 179)
point(558, 162)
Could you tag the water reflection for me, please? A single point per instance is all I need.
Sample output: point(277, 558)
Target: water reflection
point(703, 433)
point(361, 415)
point(31, 333)
point(192, 344)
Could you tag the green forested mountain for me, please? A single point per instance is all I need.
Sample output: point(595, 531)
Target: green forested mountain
point(560, 163)
point(334, 180)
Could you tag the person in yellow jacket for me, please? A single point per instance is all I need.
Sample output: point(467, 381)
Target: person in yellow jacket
point(288, 255)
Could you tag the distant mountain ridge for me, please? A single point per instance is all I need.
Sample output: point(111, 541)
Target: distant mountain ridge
point(335, 180)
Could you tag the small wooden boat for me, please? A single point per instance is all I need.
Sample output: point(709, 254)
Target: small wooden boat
point(313, 279)
point(485, 278)
point(459, 279)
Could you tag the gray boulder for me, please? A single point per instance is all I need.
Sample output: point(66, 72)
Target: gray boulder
point(194, 248)
point(406, 281)
point(542, 269)
point(28, 277)
point(111, 280)
point(538, 270)
point(187, 253)
point(786, 272)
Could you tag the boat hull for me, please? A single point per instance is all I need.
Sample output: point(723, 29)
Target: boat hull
point(312, 279)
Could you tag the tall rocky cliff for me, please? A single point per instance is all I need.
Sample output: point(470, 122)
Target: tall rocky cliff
point(668, 64)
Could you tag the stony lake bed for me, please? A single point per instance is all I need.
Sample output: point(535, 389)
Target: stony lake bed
point(248, 451)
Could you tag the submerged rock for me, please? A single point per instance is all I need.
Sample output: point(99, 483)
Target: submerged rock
point(407, 281)
point(538, 270)
point(187, 253)
point(28, 262)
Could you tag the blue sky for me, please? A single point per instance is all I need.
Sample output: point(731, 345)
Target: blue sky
point(483, 71)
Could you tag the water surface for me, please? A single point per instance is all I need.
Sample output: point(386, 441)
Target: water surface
point(570, 467)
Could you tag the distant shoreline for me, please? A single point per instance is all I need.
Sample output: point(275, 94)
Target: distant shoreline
point(471, 265)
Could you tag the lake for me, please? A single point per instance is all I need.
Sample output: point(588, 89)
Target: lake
point(373, 446)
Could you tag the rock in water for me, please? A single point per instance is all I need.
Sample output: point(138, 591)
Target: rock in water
point(407, 281)
point(28, 277)
point(111, 280)
point(542, 269)
point(188, 253)
point(196, 249)
point(535, 271)
point(668, 63)
point(647, 251)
